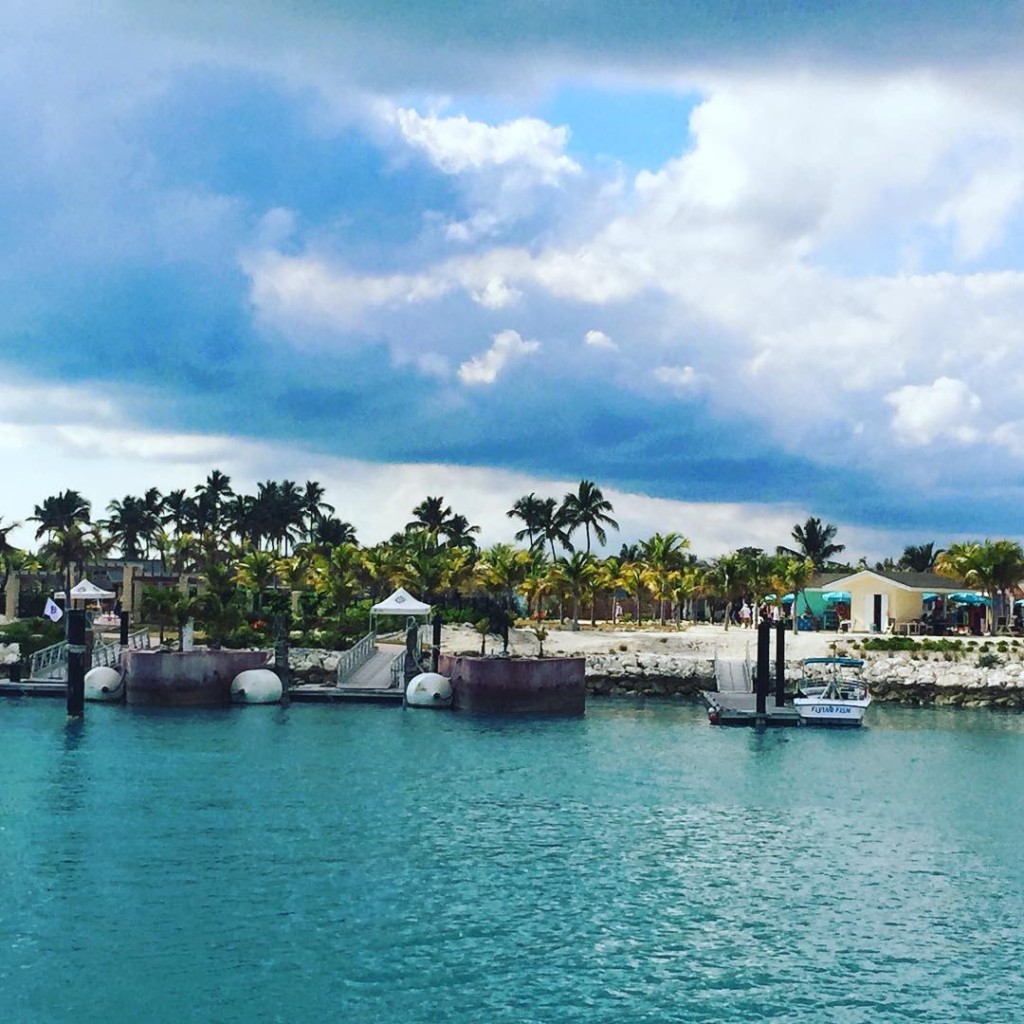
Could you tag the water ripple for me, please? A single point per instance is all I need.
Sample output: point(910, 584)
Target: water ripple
point(370, 864)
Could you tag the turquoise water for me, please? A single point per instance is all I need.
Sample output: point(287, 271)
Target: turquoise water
point(372, 864)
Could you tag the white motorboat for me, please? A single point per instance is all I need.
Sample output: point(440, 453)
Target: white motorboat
point(832, 692)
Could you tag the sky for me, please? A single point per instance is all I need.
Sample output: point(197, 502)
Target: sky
point(738, 264)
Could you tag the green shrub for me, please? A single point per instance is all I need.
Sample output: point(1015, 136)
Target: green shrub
point(32, 634)
point(989, 660)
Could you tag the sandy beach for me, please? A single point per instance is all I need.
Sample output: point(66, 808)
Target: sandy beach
point(694, 640)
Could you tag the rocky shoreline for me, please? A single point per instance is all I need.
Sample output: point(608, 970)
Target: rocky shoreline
point(915, 679)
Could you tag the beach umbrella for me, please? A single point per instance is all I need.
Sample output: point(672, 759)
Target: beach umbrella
point(968, 597)
point(836, 597)
point(788, 599)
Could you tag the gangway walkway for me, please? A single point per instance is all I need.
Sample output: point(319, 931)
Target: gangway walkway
point(373, 679)
point(733, 701)
point(732, 675)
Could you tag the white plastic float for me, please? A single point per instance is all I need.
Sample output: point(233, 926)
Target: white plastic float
point(256, 686)
point(429, 690)
point(104, 683)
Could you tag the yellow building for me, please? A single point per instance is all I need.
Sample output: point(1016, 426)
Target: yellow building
point(883, 601)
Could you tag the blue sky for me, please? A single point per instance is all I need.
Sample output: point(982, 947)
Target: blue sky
point(737, 269)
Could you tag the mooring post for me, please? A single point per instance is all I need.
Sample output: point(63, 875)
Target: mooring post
point(125, 620)
point(780, 664)
point(76, 663)
point(764, 632)
point(280, 629)
point(435, 642)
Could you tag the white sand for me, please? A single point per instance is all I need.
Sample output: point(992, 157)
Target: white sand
point(692, 640)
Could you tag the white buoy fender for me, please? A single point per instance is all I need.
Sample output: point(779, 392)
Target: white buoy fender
point(429, 690)
point(256, 686)
point(104, 683)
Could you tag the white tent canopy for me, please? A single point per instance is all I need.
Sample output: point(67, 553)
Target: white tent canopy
point(87, 591)
point(401, 602)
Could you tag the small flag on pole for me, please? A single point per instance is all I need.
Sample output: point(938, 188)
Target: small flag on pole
point(53, 611)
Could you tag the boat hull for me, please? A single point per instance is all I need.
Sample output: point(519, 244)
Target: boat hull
point(821, 711)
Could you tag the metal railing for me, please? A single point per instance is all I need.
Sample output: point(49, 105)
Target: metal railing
point(356, 656)
point(398, 671)
point(110, 653)
point(50, 662)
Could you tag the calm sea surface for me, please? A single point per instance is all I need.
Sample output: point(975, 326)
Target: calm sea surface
point(372, 864)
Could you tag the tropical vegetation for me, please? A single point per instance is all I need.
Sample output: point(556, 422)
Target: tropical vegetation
point(283, 558)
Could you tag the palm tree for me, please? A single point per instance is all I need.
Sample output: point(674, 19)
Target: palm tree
point(918, 557)
point(328, 532)
point(579, 572)
point(421, 565)
point(793, 575)
point(431, 517)
point(158, 607)
point(61, 512)
point(664, 558)
point(256, 572)
point(503, 569)
point(814, 541)
point(638, 581)
point(530, 509)
point(127, 525)
point(458, 533)
point(9, 554)
point(992, 566)
point(178, 509)
point(213, 495)
point(335, 576)
point(610, 579)
point(589, 508)
point(553, 524)
point(314, 507)
point(73, 548)
point(726, 578)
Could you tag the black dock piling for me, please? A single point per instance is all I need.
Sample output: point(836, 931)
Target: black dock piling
point(764, 633)
point(435, 642)
point(76, 663)
point(281, 624)
point(122, 638)
point(780, 664)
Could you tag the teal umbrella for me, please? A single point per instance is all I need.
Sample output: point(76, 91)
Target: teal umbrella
point(968, 597)
point(836, 597)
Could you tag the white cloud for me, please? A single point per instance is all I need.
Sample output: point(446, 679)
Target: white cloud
point(680, 378)
point(457, 145)
point(598, 339)
point(484, 368)
point(945, 409)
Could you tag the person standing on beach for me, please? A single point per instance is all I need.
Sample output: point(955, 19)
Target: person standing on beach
point(745, 615)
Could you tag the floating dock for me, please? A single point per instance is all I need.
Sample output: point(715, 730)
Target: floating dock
point(735, 703)
point(34, 688)
point(741, 709)
point(308, 693)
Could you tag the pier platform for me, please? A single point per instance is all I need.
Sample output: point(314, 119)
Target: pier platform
point(735, 703)
point(308, 693)
point(33, 688)
point(734, 708)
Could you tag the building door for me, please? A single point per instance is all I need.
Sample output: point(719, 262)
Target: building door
point(877, 612)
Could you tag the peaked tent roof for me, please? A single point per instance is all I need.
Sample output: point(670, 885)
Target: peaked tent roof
point(401, 602)
point(86, 591)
